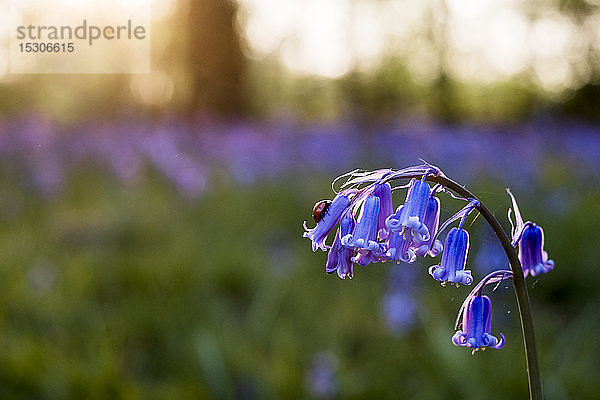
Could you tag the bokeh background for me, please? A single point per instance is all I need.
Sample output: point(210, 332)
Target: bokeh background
point(151, 225)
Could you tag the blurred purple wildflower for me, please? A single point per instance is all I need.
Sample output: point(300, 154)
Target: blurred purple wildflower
point(399, 305)
point(321, 379)
point(188, 155)
point(490, 254)
point(399, 309)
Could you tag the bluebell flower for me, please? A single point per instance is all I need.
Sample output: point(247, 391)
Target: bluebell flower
point(364, 235)
point(399, 248)
point(334, 254)
point(530, 238)
point(534, 259)
point(454, 258)
point(430, 246)
point(386, 208)
point(319, 233)
point(365, 257)
point(477, 325)
point(340, 257)
point(409, 217)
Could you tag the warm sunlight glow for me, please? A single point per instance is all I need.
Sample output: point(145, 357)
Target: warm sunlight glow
point(484, 41)
point(314, 37)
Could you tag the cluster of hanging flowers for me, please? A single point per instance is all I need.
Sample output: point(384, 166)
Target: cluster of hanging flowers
point(369, 230)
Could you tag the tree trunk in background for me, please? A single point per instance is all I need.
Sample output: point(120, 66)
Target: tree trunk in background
point(216, 65)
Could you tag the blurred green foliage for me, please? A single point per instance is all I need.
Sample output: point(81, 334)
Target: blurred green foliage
point(132, 292)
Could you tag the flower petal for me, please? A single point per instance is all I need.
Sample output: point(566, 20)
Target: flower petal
point(517, 228)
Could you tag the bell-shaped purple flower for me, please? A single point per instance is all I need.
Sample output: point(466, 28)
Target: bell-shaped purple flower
point(399, 249)
point(319, 233)
point(340, 257)
point(384, 192)
point(431, 221)
point(534, 259)
point(365, 257)
point(334, 254)
point(409, 217)
point(454, 258)
point(477, 325)
point(364, 235)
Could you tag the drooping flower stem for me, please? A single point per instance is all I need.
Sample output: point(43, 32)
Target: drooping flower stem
point(533, 371)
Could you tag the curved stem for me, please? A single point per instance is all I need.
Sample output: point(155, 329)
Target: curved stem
point(533, 371)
